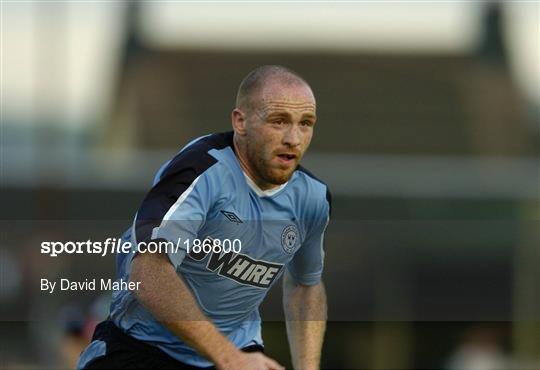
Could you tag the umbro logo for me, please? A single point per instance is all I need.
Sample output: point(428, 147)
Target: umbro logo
point(231, 216)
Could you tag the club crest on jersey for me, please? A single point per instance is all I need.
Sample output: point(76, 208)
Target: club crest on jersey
point(288, 238)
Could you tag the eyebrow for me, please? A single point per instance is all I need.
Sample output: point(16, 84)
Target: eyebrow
point(309, 115)
point(286, 114)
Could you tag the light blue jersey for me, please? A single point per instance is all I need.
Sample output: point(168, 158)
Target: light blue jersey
point(203, 194)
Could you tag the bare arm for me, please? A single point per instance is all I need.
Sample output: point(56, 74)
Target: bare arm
point(180, 313)
point(305, 314)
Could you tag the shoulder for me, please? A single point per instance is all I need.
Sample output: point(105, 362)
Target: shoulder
point(317, 191)
point(195, 158)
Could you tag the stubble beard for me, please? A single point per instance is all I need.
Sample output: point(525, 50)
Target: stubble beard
point(265, 169)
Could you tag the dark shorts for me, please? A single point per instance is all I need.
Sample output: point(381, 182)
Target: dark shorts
point(125, 352)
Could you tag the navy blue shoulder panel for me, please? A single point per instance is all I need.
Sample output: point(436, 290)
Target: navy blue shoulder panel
point(196, 157)
point(179, 174)
point(328, 194)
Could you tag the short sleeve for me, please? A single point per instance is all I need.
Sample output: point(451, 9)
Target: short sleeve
point(184, 219)
point(307, 265)
point(174, 210)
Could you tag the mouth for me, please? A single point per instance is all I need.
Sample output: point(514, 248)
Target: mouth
point(287, 158)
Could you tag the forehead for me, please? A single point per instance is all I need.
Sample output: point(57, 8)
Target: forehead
point(286, 98)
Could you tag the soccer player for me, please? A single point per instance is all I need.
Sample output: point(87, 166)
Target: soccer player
point(198, 307)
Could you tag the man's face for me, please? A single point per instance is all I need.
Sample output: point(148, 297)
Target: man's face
point(279, 127)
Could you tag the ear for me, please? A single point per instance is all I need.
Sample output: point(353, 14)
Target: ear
point(238, 119)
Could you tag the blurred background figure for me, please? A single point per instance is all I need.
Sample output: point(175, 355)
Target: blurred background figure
point(75, 335)
point(482, 348)
point(428, 134)
point(78, 326)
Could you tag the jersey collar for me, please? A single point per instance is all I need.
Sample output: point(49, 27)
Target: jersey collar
point(259, 191)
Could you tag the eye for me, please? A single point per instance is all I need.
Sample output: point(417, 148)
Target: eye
point(306, 123)
point(278, 121)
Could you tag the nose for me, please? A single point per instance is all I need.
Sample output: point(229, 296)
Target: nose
point(292, 136)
